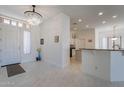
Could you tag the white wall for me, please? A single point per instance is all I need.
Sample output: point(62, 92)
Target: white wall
point(56, 53)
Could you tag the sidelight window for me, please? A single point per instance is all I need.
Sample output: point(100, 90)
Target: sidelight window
point(27, 42)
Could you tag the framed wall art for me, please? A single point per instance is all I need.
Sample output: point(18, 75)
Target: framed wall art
point(56, 39)
point(42, 41)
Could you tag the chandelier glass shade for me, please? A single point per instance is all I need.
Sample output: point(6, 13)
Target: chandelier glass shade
point(33, 18)
point(114, 38)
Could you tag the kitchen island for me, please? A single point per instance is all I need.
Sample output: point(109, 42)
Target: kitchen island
point(107, 64)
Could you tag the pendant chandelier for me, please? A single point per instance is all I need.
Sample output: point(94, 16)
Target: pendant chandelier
point(33, 18)
point(114, 37)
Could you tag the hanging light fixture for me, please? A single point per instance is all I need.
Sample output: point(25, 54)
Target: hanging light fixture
point(33, 18)
point(114, 37)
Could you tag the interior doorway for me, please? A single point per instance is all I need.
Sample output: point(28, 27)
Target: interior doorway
point(75, 50)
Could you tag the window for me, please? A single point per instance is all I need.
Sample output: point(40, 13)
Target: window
point(13, 23)
point(27, 42)
point(6, 21)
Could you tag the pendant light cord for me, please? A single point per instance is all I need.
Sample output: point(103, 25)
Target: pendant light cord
point(33, 8)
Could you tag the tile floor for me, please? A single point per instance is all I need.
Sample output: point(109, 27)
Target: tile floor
point(39, 74)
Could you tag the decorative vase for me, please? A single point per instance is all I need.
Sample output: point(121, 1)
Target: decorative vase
point(39, 55)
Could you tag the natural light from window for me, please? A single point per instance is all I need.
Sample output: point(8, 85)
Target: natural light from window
point(13, 23)
point(6, 21)
point(20, 24)
point(27, 42)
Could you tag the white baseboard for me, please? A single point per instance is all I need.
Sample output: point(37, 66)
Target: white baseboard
point(29, 60)
point(49, 62)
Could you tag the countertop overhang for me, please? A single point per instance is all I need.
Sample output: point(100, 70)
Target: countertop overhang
point(102, 49)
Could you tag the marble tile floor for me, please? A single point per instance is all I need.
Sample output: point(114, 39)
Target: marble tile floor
point(39, 74)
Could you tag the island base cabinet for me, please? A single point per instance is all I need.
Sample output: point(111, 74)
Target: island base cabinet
point(107, 65)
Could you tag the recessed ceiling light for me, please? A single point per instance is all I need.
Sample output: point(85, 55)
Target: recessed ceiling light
point(103, 22)
point(114, 16)
point(87, 26)
point(79, 20)
point(100, 13)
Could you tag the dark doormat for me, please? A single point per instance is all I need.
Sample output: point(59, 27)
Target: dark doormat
point(14, 69)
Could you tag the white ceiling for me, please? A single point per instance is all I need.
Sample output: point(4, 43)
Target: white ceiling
point(17, 11)
point(90, 17)
point(89, 14)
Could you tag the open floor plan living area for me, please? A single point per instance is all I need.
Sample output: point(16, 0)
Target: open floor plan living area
point(61, 45)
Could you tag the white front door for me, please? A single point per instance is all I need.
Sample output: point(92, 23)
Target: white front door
point(1, 45)
point(10, 43)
